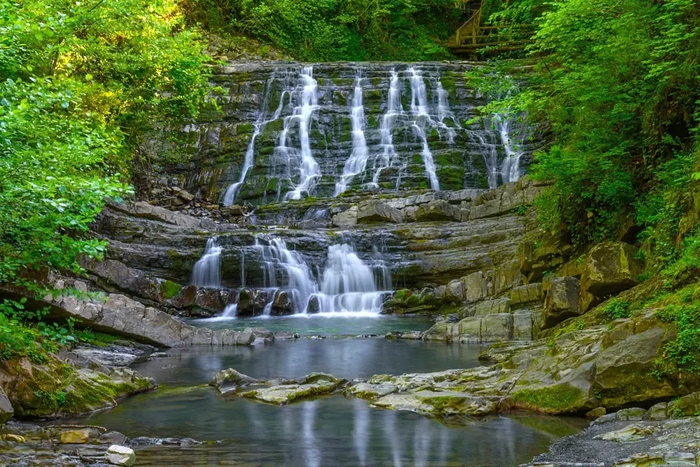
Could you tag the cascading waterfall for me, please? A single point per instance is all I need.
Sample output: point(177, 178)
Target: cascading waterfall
point(207, 271)
point(231, 192)
point(510, 171)
point(309, 170)
point(277, 258)
point(357, 162)
point(393, 111)
point(320, 110)
point(419, 109)
point(347, 284)
point(444, 112)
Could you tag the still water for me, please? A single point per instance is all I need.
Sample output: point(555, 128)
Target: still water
point(330, 431)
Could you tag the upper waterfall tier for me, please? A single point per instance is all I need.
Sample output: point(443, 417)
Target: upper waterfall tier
point(286, 131)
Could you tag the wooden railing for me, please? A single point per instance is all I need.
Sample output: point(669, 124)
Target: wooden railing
point(472, 36)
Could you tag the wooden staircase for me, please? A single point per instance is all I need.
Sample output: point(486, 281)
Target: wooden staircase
point(473, 37)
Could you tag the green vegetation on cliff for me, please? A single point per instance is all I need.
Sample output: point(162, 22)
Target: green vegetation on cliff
point(616, 83)
point(328, 30)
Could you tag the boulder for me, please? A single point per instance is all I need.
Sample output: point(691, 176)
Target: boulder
point(120, 455)
point(315, 384)
point(562, 300)
point(345, 219)
point(282, 303)
point(657, 412)
point(610, 268)
point(628, 434)
point(497, 327)
point(623, 371)
point(476, 286)
point(686, 405)
point(455, 291)
point(75, 436)
point(6, 410)
point(440, 403)
point(378, 211)
point(438, 210)
point(523, 325)
point(630, 414)
point(113, 437)
point(596, 413)
point(230, 380)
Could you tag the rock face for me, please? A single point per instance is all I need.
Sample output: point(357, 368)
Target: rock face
point(121, 315)
point(378, 211)
point(6, 410)
point(610, 268)
point(562, 300)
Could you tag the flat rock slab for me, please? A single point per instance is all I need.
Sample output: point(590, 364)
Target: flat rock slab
point(286, 393)
point(444, 403)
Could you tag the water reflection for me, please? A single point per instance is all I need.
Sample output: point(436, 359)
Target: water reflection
point(346, 358)
point(327, 431)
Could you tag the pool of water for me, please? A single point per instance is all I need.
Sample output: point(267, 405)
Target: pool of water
point(323, 324)
point(329, 431)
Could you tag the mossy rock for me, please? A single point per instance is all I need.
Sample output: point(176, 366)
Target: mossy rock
point(170, 289)
point(560, 398)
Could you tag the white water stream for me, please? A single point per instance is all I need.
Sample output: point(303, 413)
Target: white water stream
point(207, 271)
point(357, 162)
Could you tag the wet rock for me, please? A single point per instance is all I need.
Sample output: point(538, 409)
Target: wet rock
point(370, 391)
point(13, 438)
point(562, 300)
point(610, 268)
point(286, 335)
point(314, 305)
point(442, 403)
point(120, 455)
point(316, 384)
point(378, 211)
point(231, 380)
point(282, 304)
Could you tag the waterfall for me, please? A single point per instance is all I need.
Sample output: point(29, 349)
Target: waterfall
point(309, 170)
point(277, 258)
point(357, 162)
point(444, 112)
point(393, 111)
point(419, 109)
point(490, 154)
point(347, 283)
point(207, 271)
point(231, 192)
point(511, 164)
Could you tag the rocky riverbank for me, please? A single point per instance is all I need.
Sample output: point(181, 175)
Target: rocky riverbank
point(632, 437)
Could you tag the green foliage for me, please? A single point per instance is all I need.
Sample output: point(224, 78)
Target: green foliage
point(24, 332)
point(616, 82)
point(616, 308)
point(327, 30)
point(81, 85)
point(684, 351)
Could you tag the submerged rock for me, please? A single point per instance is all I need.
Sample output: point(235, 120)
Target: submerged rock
point(370, 391)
